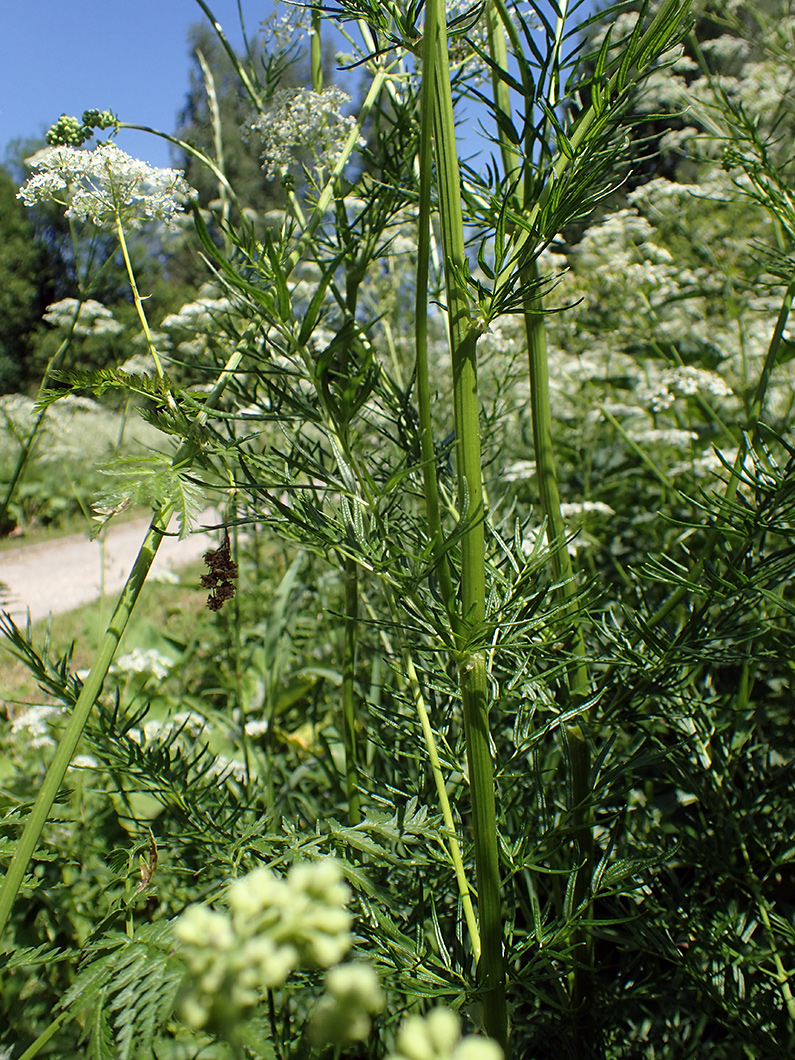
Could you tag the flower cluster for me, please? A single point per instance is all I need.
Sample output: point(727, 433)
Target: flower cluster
point(300, 120)
point(437, 1036)
point(105, 186)
point(273, 926)
point(33, 725)
point(150, 661)
point(71, 132)
point(353, 994)
point(682, 381)
point(92, 318)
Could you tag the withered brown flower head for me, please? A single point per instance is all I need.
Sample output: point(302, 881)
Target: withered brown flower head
point(220, 579)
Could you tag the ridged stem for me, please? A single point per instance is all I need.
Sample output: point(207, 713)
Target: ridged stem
point(466, 408)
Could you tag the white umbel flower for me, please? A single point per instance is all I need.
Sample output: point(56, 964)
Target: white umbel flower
point(300, 120)
point(105, 185)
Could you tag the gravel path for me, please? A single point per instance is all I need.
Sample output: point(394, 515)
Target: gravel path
point(59, 575)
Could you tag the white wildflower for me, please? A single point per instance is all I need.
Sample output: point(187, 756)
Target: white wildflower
point(669, 436)
point(93, 318)
point(300, 120)
point(150, 661)
point(105, 185)
point(572, 509)
point(35, 724)
point(657, 398)
point(688, 380)
point(199, 315)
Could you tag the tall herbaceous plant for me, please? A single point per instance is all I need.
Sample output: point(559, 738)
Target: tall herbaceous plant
point(433, 756)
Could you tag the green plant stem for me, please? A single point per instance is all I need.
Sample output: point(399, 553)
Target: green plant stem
point(240, 70)
point(472, 659)
point(139, 306)
point(453, 847)
point(74, 729)
point(316, 51)
point(26, 451)
point(215, 120)
point(48, 792)
point(447, 814)
point(427, 449)
point(351, 626)
point(35, 1047)
point(566, 590)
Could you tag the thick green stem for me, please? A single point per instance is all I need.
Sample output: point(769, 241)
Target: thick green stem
point(427, 449)
point(466, 407)
point(316, 52)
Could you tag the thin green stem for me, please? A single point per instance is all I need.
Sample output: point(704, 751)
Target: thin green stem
point(453, 847)
point(350, 740)
point(444, 802)
point(48, 792)
point(567, 593)
point(215, 120)
point(139, 306)
point(240, 70)
point(35, 1047)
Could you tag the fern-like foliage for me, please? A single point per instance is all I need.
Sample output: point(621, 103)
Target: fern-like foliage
point(124, 991)
point(152, 480)
point(98, 382)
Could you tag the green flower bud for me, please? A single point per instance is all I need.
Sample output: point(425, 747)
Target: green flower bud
point(67, 131)
point(343, 1015)
point(436, 1037)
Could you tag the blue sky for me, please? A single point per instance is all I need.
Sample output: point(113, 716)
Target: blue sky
point(131, 57)
point(64, 56)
